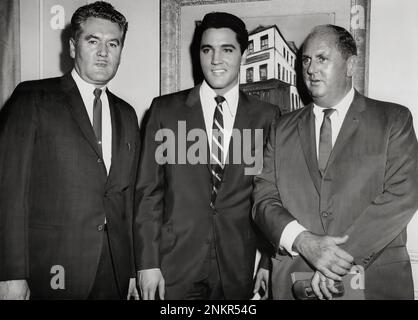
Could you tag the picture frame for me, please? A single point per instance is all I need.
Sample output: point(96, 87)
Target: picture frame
point(178, 19)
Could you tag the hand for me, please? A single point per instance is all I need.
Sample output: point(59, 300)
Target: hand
point(323, 286)
point(262, 280)
point(149, 280)
point(324, 254)
point(132, 291)
point(14, 290)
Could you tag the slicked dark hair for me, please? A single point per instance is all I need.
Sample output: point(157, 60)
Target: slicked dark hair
point(344, 40)
point(98, 9)
point(219, 20)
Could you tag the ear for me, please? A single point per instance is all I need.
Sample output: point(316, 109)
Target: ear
point(351, 66)
point(244, 56)
point(72, 48)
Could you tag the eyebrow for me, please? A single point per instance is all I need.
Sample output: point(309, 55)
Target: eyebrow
point(92, 36)
point(203, 46)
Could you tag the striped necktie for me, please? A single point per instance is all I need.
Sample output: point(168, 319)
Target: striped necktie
point(217, 151)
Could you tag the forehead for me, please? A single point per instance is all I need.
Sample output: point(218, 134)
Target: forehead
point(98, 26)
point(324, 41)
point(219, 36)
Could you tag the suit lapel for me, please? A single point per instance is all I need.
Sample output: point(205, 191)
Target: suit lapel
point(195, 118)
point(116, 121)
point(78, 110)
point(306, 128)
point(242, 121)
point(349, 126)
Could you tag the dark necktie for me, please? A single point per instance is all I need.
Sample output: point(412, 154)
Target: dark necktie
point(325, 140)
point(217, 152)
point(97, 117)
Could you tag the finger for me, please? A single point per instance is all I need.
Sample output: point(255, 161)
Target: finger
point(340, 240)
point(135, 294)
point(147, 292)
point(338, 270)
point(331, 286)
point(265, 295)
point(323, 287)
point(257, 285)
point(329, 274)
point(161, 289)
point(343, 264)
point(151, 293)
point(344, 255)
point(27, 294)
point(315, 286)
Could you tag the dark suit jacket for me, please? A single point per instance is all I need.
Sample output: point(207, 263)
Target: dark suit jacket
point(174, 223)
point(54, 190)
point(369, 192)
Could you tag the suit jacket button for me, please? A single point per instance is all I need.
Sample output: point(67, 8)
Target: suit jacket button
point(100, 227)
point(99, 160)
point(325, 214)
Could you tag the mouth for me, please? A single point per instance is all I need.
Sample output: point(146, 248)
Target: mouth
point(218, 72)
point(314, 82)
point(101, 64)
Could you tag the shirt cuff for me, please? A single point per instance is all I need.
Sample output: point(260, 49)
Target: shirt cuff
point(289, 234)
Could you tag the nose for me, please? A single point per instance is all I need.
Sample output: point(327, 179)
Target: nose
point(102, 50)
point(216, 57)
point(311, 67)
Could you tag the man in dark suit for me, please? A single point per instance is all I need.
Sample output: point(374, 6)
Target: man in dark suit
point(69, 154)
point(340, 179)
point(193, 236)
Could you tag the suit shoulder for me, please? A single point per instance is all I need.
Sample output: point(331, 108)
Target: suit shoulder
point(170, 99)
point(386, 106)
point(49, 84)
point(263, 108)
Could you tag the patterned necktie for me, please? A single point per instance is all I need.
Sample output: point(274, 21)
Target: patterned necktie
point(217, 152)
point(97, 117)
point(325, 140)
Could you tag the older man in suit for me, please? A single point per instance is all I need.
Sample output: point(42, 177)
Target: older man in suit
point(69, 153)
point(340, 180)
point(193, 235)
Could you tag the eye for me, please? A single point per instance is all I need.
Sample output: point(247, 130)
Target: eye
point(113, 44)
point(92, 41)
point(306, 61)
point(205, 50)
point(322, 59)
point(228, 50)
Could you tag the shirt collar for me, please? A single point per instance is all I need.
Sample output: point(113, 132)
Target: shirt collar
point(341, 107)
point(231, 97)
point(86, 89)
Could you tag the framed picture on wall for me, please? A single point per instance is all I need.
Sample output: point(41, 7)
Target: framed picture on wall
point(289, 20)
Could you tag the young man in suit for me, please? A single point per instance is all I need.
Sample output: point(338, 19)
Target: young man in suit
point(68, 162)
point(192, 232)
point(339, 183)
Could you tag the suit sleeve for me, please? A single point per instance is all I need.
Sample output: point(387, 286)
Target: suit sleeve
point(268, 211)
point(17, 138)
point(129, 196)
point(390, 212)
point(150, 195)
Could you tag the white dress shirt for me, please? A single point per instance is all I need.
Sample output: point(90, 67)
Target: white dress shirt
point(229, 107)
point(293, 229)
point(86, 91)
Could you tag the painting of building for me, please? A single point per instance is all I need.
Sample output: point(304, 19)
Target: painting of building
point(269, 70)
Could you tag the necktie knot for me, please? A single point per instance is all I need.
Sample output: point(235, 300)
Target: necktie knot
point(328, 112)
point(97, 93)
point(219, 99)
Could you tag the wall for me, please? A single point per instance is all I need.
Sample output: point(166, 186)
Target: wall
point(393, 72)
point(45, 54)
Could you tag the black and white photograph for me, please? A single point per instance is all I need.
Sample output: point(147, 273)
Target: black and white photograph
point(234, 152)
